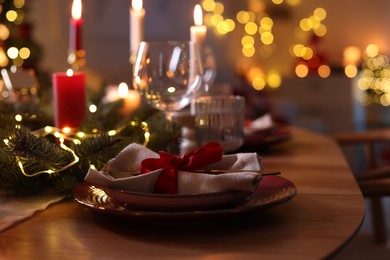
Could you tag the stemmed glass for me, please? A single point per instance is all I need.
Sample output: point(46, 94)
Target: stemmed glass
point(168, 74)
point(209, 67)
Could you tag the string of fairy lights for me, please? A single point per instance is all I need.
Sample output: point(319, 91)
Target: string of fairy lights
point(13, 54)
point(66, 134)
point(258, 39)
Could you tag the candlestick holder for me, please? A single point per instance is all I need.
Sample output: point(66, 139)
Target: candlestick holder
point(76, 59)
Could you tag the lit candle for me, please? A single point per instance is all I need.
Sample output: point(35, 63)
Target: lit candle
point(351, 56)
point(137, 14)
point(131, 99)
point(76, 23)
point(198, 31)
point(70, 98)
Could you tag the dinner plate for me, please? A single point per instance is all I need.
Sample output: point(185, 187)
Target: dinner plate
point(266, 137)
point(173, 202)
point(272, 191)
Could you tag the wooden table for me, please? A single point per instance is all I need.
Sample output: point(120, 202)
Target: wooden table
point(324, 215)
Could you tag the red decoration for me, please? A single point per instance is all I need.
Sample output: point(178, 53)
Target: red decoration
point(76, 34)
point(167, 182)
point(70, 99)
point(76, 23)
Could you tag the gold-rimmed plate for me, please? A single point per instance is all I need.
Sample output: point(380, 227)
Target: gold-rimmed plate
point(272, 191)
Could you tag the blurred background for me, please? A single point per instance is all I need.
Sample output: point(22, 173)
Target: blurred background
point(307, 60)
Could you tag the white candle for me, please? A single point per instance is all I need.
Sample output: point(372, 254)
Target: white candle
point(131, 98)
point(198, 31)
point(137, 14)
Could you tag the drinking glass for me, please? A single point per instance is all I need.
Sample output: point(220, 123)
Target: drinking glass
point(167, 74)
point(209, 67)
point(221, 119)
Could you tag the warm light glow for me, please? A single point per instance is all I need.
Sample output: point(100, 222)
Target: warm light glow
point(307, 53)
point(69, 73)
point(248, 51)
point(198, 16)
point(4, 32)
point(76, 9)
point(12, 52)
point(247, 41)
point(267, 38)
point(11, 15)
point(219, 8)
point(266, 23)
point(301, 70)
point(80, 134)
point(321, 30)
point(48, 129)
point(274, 79)
point(305, 24)
point(123, 90)
point(19, 3)
point(324, 71)
point(18, 118)
point(216, 19)
point(92, 108)
point(208, 5)
point(258, 83)
point(372, 50)
point(350, 71)
point(111, 132)
point(66, 130)
point(351, 55)
point(251, 28)
point(230, 25)
point(136, 4)
point(293, 2)
point(320, 13)
point(254, 72)
point(24, 53)
point(243, 17)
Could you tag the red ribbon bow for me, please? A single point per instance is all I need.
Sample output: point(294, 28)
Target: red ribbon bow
point(170, 164)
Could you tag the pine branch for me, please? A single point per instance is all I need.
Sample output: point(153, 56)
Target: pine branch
point(37, 153)
point(98, 150)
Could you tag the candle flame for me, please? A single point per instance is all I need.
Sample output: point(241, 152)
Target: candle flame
point(123, 90)
point(76, 9)
point(136, 4)
point(198, 15)
point(69, 73)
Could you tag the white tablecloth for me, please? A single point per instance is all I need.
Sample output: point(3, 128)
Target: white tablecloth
point(15, 209)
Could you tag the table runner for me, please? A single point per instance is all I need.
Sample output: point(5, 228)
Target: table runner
point(15, 209)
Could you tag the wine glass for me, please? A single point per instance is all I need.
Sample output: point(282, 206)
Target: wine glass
point(168, 75)
point(209, 67)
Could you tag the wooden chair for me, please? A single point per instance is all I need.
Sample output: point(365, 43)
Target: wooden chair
point(375, 181)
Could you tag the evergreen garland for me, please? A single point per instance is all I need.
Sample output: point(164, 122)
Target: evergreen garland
point(39, 153)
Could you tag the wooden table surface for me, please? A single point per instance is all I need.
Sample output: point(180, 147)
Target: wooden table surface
point(319, 220)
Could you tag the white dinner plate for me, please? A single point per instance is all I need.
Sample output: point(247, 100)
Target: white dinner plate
point(272, 191)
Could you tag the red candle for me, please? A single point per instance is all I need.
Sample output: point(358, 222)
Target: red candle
point(76, 23)
point(70, 99)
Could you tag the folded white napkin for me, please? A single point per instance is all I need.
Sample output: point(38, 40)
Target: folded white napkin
point(130, 158)
point(260, 123)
